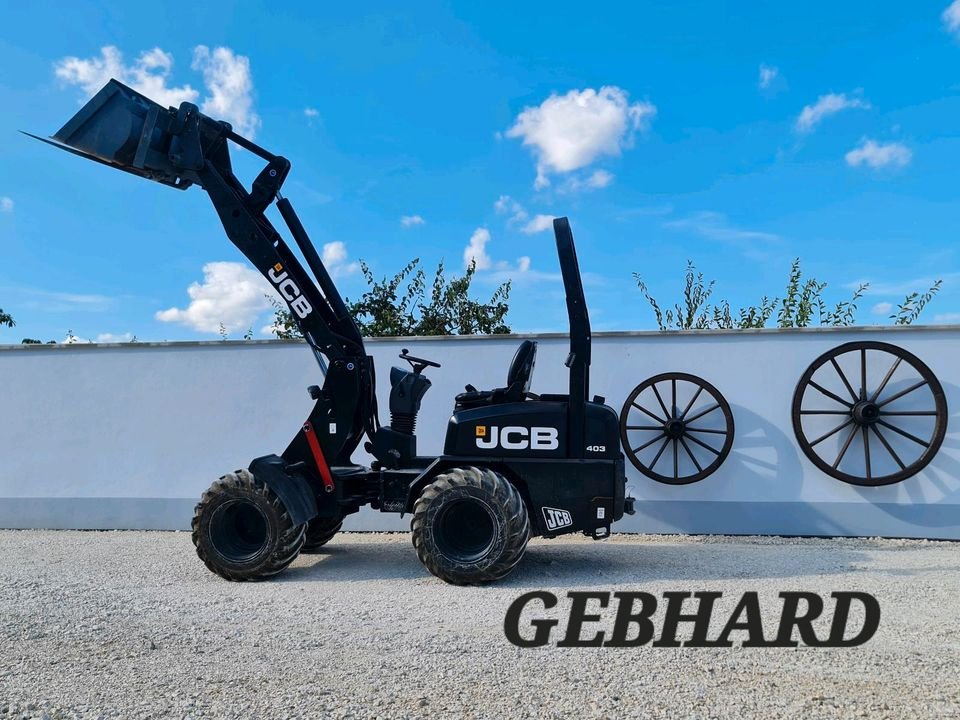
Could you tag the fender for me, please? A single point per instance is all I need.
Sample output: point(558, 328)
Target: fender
point(295, 492)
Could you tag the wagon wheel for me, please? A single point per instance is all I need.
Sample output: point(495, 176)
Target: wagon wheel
point(679, 423)
point(869, 413)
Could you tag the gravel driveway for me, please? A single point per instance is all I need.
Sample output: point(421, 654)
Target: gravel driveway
point(131, 625)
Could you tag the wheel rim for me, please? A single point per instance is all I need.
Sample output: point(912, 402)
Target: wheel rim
point(869, 413)
point(464, 530)
point(239, 531)
point(676, 428)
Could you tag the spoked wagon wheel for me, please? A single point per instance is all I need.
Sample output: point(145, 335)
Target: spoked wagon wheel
point(869, 413)
point(676, 428)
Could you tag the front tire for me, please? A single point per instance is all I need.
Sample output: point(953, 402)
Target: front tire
point(470, 526)
point(242, 530)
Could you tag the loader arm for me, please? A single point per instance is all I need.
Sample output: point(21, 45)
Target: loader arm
point(182, 147)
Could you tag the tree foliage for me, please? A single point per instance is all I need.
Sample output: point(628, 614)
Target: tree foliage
point(404, 305)
point(802, 305)
point(6, 319)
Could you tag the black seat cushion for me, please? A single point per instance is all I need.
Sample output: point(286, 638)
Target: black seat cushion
point(518, 381)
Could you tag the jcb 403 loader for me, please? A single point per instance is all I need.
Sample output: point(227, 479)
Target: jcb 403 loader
point(514, 464)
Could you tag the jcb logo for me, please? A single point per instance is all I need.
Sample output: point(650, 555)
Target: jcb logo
point(517, 438)
point(290, 291)
point(556, 518)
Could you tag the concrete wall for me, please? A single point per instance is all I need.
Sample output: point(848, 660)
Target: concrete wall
point(128, 436)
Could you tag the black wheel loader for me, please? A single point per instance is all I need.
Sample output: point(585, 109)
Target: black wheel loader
point(514, 464)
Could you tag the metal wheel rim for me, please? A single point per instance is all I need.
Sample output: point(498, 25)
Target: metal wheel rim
point(684, 443)
point(851, 422)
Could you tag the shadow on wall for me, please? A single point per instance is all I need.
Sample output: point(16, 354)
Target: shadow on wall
point(762, 454)
point(943, 474)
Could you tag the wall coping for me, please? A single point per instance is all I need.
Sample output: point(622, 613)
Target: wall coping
point(480, 338)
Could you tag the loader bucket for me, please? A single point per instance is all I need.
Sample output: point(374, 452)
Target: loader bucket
point(121, 128)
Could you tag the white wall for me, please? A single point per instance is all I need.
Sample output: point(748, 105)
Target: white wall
point(130, 435)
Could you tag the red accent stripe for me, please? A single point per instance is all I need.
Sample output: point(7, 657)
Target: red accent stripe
point(318, 456)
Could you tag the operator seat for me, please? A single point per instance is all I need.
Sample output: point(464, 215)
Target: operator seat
point(518, 381)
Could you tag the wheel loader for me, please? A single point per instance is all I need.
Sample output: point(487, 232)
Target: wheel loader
point(515, 465)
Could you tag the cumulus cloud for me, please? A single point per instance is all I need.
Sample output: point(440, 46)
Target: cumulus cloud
point(538, 224)
point(476, 252)
point(114, 337)
point(311, 112)
point(569, 132)
point(411, 220)
point(226, 77)
point(148, 74)
point(230, 84)
point(951, 17)
point(881, 308)
point(876, 155)
point(6, 204)
point(231, 293)
point(824, 107)
point(768, 74)
point(334, 258)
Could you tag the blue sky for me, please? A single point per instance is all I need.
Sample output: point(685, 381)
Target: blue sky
point(738, 135)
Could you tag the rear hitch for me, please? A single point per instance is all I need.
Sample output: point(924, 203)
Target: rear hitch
point(600, 533)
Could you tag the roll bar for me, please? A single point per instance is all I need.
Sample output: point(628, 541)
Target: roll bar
point(578, 359)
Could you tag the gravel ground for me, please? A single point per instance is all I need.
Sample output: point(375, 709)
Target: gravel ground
point(131, 625)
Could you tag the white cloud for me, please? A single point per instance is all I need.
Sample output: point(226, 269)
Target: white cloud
point(311, 112)
point(114, 338)
point(871, 153)
point(538, 224)
point(768, 73)
point(947, 318)
point(411, 220)
point(476, 250)
point(507, 205)
point(6, 204)
point(149, 74)
point(714, 226)
point(594, 181)
point(334, 258)
point(569, 132)
point(226, 77)
point(600, 179)
point(824, 107)
point(231, 293)
point(881, 308)
point(951, 17)
point(71, 339)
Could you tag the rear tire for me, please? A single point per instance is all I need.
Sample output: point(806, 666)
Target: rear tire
point(242, 530)
point(470, 526)
point(320, 531)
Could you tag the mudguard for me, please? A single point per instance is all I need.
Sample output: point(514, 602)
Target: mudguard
point(295, 492)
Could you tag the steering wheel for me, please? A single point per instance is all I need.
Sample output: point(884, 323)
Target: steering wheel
point(418, 364)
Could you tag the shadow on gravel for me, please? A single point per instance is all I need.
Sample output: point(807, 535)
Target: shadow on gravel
point(598, 563)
